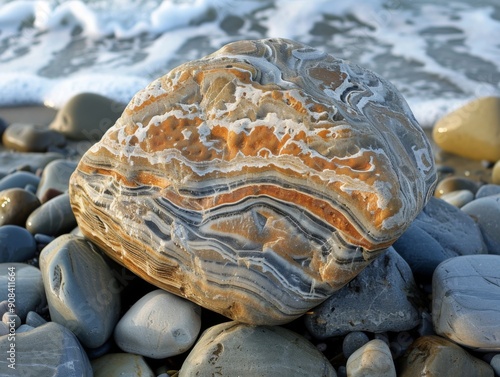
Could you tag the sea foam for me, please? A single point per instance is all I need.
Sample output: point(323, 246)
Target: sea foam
point(438, 55)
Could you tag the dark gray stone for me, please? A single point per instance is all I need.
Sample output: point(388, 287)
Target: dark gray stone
point(19, 179)
point(486, 212)
point(34, 319)
point(82, 293)
point(439, 232)
point(48, 350)
point(466, 301)
point(52, 218)
point(379, 299)
point(16, 244)
point(353, 341)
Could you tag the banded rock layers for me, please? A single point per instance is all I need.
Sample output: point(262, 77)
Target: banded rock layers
point(255, 181)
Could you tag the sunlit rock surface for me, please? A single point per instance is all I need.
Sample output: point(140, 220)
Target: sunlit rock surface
point(255, 181)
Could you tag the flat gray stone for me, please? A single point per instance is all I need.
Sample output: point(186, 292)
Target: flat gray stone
point(466, 301)
point(159, 325)
point(19, 179)
point(486, 212)
point(82, 293)
point(433, 356)
point(48, 350)
point(30, 295)
point(439, 232)
point(374, 359)
point(379, 299)
point(236, 349)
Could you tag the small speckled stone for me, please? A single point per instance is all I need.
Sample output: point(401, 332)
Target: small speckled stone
point(452, 184)
point(471, 131)
point(30, 294)
point(353, 341)
point(458, 198)
point(374, 359)
point(159, 325)
point(439, 357)
point(495, 364)
point(439, 232)
point(87, 116)
point(31, 138)
point(34, 319)
point(379, 299)
point(236, 349)
point(55, 176)
point(19, 179)
point(52, 218)
point(16, 205)
point(488, 190)
point(81, 291)
point(48, 350)
point(16, 244)
point(466, 301)
point(10, 161)
point(121, 365)
point(486, 212)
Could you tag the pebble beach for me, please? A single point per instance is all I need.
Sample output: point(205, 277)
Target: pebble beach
point(428, 305)
point(443, 269)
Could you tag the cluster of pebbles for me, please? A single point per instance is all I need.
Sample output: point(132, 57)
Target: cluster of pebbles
point(428, 304)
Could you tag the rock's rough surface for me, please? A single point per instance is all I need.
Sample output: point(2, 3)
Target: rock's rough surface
point(48, 350)
point(235, 349)
point(472, 131)
point(381, 298)
point(438, 357)
point(466, 301)
point(374, 359)
point(159, 325)
point(255, 181)
point(81, 291)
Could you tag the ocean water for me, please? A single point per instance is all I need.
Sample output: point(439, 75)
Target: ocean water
point(438, 53)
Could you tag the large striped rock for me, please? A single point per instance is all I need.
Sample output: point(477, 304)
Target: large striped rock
point(255, 181)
